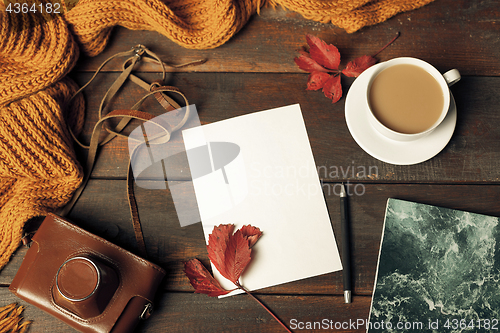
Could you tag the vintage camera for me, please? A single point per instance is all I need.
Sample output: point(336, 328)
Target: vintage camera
point(84, 280)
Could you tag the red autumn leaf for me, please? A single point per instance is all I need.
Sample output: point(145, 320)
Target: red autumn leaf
point(359, 65)
point(309, 65)
point(333, 88)
point(237, 256)
point(251, 233)
point(230, 253)
point(317, 80)
point(327, 55)
point(306, 63)
point(201, 279)
point(324, 59)
point(217, 244)
point(233, 255)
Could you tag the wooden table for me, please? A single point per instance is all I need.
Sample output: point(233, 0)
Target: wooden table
point(255, 71)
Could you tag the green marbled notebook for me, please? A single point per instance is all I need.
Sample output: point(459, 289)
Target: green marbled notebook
point(438, 271)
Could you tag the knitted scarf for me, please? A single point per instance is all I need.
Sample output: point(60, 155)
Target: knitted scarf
point(38, 168)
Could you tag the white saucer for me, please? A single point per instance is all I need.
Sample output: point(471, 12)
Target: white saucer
point(387, 150)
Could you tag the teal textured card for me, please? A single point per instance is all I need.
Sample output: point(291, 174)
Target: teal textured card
point(438, 271)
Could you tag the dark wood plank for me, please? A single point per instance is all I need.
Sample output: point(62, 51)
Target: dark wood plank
point(103, 210)
point(189, 312)
point(471, 156)
point(199, 313)
point(447, 33)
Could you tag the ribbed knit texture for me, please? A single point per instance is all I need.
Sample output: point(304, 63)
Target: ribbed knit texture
point(204, 24)
point(350, 15)
point(38, 168)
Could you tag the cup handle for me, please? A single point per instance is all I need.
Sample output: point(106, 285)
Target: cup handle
point(452, 76)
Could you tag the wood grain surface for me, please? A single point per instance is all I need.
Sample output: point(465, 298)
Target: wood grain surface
point(255, 71)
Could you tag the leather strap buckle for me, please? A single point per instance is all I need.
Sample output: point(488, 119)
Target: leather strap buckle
point(139, 50)
point(27, 240)
point(146, 313)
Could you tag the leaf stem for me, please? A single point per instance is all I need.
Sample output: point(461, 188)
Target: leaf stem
point(392, 41)
point(265, 307)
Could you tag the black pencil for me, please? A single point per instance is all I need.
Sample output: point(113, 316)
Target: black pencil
point(346, 244)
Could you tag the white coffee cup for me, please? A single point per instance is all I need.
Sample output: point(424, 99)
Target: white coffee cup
point(444, 80)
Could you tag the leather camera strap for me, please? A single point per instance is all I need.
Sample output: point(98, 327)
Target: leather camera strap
point(156, 89)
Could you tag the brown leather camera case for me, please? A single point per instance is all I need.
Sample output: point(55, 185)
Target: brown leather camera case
point(84, 280)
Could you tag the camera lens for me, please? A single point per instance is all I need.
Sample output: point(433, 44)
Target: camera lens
point(78, 279)
point(84, 285)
